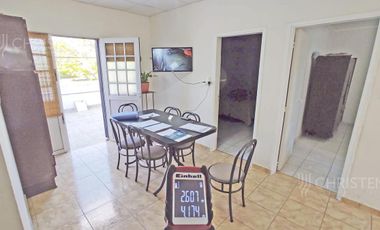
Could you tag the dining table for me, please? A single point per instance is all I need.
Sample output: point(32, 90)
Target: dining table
point(176, 123)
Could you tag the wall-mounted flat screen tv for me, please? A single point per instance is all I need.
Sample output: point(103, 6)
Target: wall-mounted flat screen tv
point(172, 59)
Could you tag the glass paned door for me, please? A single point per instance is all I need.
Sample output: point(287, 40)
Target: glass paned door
point(120, 59)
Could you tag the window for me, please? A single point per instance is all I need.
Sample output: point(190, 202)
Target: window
point(43, 61)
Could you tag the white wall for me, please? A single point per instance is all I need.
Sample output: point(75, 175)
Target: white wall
point(199, 24)
point(356, 38)
point(9, 218)
point(344, 38)
point(70, 18)
point(307, 41)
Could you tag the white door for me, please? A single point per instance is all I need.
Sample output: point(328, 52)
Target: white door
point(120, 63)
point(43, 56)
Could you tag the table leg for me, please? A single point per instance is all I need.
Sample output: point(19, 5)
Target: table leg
point(146, 101)
point(171, 156)
point(153, 99)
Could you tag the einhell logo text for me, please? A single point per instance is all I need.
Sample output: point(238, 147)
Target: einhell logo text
point(195, 176)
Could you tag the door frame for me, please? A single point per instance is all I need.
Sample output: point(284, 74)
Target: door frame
point(14, 176)
point(366, 93)
point(103, 66)
point(217, 74)
point(61, 118)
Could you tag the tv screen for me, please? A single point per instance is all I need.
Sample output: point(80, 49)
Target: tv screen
point(175, 59)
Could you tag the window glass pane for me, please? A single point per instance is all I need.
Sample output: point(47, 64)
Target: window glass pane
point(132, 88)
point(129, 49)
point(111, 63)
point(112, 77)
point(123, 89)
point(109, 49)
point(37, 46)
point(122, 76)
point(113, 89)
point(41, 62)
point(119, 49)
point(132, 76)
point(131, 64)
point(120, 63)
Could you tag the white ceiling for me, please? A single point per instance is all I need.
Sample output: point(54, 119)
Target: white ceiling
point(142, 7)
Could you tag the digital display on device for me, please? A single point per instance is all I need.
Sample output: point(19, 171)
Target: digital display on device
point(189, 200)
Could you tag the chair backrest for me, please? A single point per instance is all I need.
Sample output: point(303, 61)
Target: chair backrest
point(136, 133)
point(173, 110)
point(242, 160)
point(192, 116)
point(127, 107)
point(119, 133)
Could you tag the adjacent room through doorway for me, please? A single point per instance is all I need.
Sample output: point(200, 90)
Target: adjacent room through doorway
point(77, 69)
point(328, 72)
point(240, 63)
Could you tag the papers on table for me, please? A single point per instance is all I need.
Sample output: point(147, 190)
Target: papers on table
point(175, 135)
point(144, 123)
point(158, 127)
point(196, 128)
point(149, 115)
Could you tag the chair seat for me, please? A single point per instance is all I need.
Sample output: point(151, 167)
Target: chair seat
point(138, 142)
point(156, 152)
point(221, 172)
point(186, 145)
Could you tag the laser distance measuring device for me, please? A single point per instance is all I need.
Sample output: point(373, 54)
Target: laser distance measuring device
point(188, 199)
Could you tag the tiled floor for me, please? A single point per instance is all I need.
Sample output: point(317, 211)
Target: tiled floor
point(85, 128)
point(320, 161)
point(232, 135)
point(92, 194)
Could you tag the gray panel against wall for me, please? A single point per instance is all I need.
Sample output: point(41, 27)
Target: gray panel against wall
point(24, 113)
point(14, 45)
point(328, 79)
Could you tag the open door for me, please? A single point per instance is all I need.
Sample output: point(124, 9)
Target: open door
point(45, 68)
point(120, 64)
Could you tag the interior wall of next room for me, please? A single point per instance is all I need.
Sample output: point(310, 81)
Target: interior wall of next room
point(356, 38)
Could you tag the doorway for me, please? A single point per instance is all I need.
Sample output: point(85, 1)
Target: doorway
point(239, 75)
point(329, 68)
point(77, 71)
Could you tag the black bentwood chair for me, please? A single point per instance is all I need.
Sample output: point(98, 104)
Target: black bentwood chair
point(127, 107)
point(190, 146)
point(235, 173)
point(147, 155)
point(124, 144)
point(173, 110)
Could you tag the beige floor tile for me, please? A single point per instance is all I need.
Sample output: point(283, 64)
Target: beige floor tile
point(137, 200)
point(128, 223)
point(349, 214)
point(256, 175)
point(311, 196)
point(280, 223)
point(375, 222)
point(65, 214)
point(253, 215)
point(330, 223)
point(267, 199)
point(51, 199)
point(108, 215)
point(302, 215)
point(153, 216)
point(94, 198)
point(236, 225)
point(279, 183)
